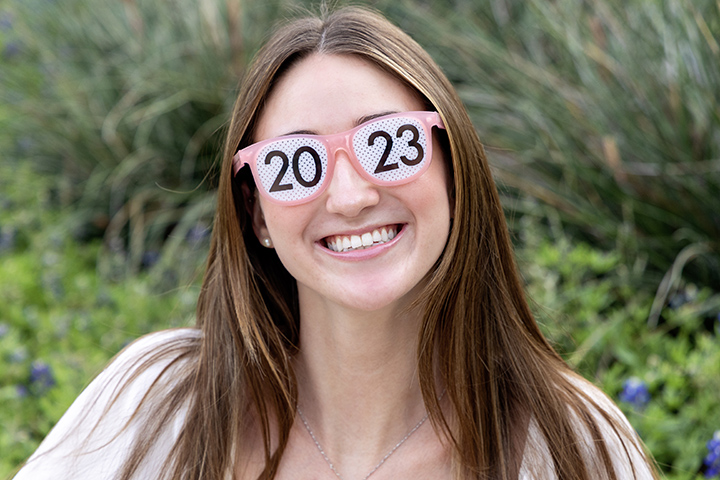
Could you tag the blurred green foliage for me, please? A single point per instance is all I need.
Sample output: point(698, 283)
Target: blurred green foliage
point(55, 310)
point(589, 303)
point(606, 110)
point(125, 103)
point(601, 120)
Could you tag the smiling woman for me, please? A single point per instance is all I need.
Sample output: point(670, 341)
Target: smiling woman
point(361, 314)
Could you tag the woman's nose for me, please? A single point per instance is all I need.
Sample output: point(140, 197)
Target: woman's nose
point(349, 193)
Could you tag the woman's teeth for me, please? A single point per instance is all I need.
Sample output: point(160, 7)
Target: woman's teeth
point(345, 243)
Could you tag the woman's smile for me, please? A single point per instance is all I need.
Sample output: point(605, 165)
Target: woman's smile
point(361, 241)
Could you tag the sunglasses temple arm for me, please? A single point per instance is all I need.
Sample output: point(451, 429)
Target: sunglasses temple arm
point(238, 163)
point(437, 121)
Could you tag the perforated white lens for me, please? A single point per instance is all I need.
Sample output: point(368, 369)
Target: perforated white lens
point(293, 168)
point(391, 149)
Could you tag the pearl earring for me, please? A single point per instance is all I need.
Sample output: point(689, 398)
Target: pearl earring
point(267, 242)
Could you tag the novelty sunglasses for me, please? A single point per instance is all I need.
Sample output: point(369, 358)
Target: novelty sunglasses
point(389, 150)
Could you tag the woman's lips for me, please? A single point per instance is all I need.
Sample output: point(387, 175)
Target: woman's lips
point(348, 243)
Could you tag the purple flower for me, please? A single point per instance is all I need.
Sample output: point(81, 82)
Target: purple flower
point(712, 459)
point(635, 392)
point(41, 377)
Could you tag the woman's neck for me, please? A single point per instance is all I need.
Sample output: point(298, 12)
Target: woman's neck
point(357, 378)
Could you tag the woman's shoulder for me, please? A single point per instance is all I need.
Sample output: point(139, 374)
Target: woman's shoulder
point(96, 434)
point(158, 359)
point(171, 339)
point(152, 353)
point(607, 425)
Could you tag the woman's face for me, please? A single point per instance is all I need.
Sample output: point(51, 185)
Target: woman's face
point(327, 94)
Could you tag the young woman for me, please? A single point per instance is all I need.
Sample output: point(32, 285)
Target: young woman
point(361, 314)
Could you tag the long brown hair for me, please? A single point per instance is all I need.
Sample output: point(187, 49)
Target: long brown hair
point(499, 371)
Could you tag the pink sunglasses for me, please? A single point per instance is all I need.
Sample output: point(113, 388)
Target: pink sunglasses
point(389, 150)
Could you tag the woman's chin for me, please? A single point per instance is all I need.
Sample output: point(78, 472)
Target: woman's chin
point(367, 297)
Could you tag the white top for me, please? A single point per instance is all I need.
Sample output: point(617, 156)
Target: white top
point(71, 434)
point(108, 446)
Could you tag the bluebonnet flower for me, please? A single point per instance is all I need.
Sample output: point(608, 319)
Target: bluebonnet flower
point(41, 377)
point(635, 392)
point(712, 460)
point(4, 329)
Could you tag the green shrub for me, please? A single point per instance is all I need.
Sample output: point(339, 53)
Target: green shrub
point(59, 322)
point(604, 109)
point(588, 303)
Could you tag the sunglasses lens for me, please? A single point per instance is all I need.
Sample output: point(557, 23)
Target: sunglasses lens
point(392, 149)
point(292, 169)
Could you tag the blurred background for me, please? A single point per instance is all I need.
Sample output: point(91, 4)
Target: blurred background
point(601, 119)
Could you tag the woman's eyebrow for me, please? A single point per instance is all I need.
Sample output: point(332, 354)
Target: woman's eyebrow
point(373, 116)
point(299, 132)
point(359, 121)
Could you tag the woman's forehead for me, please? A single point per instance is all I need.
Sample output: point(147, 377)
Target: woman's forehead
point(327, 94)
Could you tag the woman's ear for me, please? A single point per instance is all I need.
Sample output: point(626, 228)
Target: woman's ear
point(254, 209)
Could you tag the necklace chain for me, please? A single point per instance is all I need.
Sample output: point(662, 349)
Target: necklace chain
point(330, 464)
